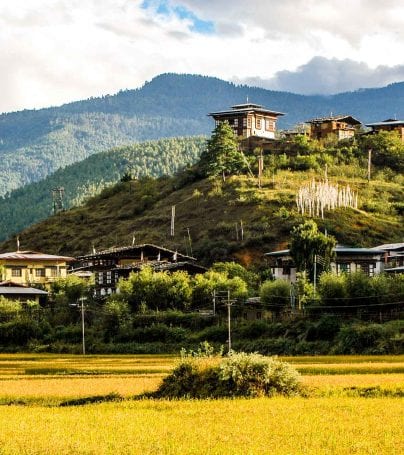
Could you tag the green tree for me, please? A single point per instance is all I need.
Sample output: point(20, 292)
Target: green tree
point(387, 149)
point(275, 294)
point(307, 242)
point(205, 284)
point(222, 155)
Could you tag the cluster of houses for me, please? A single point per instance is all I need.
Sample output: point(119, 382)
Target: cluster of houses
point(27, 275)
point(256, 125)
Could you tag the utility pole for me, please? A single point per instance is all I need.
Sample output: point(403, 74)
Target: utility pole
point(260, 168)
point(315, 273)
point(214, 302)
point(229, 320)
point(189, 240)
point(81, 308)
point(82, 324)
point(369, 163)
point(172, 220)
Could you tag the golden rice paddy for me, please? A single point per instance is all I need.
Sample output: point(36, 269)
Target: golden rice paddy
point(326, 423)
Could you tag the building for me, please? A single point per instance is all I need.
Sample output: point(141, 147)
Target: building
point(15, 291)
point(388, 125)
point(32, 268)
point(251, 122)
point(347, 260)
point(393, 256)
point(110, 265)
point(334, 127)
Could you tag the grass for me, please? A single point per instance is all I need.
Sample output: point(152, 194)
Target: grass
point(95, 413)
point(267, 213)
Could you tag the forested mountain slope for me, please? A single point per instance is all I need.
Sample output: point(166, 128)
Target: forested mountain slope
point(33, 202)
point(35, 143)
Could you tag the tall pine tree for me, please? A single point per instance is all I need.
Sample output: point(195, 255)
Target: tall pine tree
point(222, 156)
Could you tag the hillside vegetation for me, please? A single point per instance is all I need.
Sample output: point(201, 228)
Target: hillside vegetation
point(33, 202)
point(225, 219)
point(35, 143)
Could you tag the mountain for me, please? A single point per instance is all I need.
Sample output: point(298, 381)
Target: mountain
point(217, 220)
point(35, 143)
point(33, 202)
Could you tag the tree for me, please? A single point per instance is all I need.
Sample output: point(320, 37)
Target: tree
point(222, 155)
point(306, 243)
point(275, 294)
point(387, 149)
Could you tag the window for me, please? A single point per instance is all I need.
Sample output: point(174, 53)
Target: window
point(343, 268)
point(39, 272)
point(245, 123)
point(53, 272)
point(269, 125)
point(249, 122)
point(109, 277)
point(100, 278)
point(236, 122)
point(259, 123)
point(16, 272)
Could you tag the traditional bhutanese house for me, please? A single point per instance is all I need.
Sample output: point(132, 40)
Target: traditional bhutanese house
point(347, 260)
point(110, 265)
point(15, 291)
point(333, 127)
point(394, 254)
point(252, 122)
point(388, 125)
point(31, 267)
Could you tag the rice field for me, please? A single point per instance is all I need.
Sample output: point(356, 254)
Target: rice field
point(328, 422)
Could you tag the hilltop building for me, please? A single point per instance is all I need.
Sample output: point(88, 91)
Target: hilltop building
point(333, 127)
point(32, 268)
point(112, 264)
point(388, 125)
point(253, 123)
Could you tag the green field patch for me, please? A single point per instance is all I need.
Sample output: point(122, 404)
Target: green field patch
point(83, 372)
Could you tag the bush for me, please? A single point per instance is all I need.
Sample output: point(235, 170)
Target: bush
point(248, 375)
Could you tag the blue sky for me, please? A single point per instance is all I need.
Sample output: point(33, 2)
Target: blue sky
point(165, 8)
point(57, 51)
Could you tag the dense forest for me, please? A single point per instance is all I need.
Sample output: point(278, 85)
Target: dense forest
point(33, 202)
point(35, 143)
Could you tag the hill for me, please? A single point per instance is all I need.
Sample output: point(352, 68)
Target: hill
point(35, 143)
point(234, 219)
point(33, 202)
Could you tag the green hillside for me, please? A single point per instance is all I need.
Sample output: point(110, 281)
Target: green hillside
point(213, 212)
point(35, 143)
point(33, 202)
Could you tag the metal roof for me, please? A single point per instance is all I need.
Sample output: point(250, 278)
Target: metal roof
point(246, 108)
point(33, 256)
point(395, 270)
point(14, 290)
point(127, 249)
point(337, 249)
point(387, 123)
point(330, 118)
point(390, 246)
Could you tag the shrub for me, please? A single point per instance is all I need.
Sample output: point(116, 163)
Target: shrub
point(275, 294)
point(241, 374)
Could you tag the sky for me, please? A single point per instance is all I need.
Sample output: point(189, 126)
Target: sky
point(57, 51)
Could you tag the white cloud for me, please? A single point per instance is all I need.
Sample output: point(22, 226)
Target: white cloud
point(328, 76)
point(55, 51)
